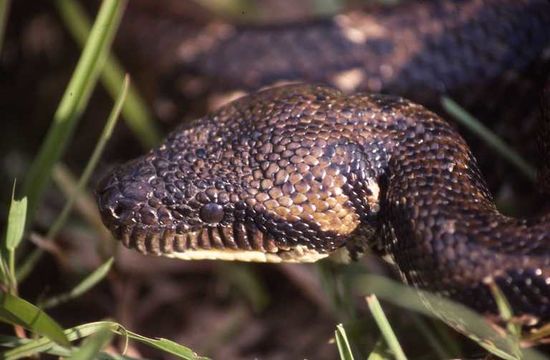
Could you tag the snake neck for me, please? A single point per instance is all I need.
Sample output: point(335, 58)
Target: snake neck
point(434, 201)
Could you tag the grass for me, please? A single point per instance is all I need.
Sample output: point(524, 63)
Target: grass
point(489, 138)
point(344, 348)
point(48, 336)
point(385, 327)
point(37, 333)
point(73, 102)
point(33, 258)
point(134, 111)
point(98, 334)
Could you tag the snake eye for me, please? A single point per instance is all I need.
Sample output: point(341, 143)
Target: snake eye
point(211, 213)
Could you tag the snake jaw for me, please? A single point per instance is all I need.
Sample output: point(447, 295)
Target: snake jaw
point(229, 243)
point(135, 215)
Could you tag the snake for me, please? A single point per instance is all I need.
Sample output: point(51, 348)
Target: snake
point(299, 172)
point(418, 50)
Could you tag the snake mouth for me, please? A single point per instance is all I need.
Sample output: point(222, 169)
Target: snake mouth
point(236, 242)
point(125, 206)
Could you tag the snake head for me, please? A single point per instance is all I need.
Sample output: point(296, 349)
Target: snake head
point(263, 179)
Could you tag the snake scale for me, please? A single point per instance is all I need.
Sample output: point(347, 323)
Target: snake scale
point(298, 172)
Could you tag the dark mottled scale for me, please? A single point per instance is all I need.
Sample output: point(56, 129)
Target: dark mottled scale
point(527, 289)
point(388, 173)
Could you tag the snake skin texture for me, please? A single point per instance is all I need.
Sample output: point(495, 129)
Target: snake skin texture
point(418, 50)
point(295, 173)
point(490, 56)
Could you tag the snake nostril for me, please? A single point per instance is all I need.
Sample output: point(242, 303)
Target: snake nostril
point(211, 213)
point(118, 210)
point(121, 209)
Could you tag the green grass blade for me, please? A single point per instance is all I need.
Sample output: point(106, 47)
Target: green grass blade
point(14, 233)
point(379, 352)
point(504, 309)
point(33, 258)
point(86, 284)
point(52, 349)
point(489, 137)
point(4, 11)
point(16, 222)
point(30, 348)
point(385, 327)
point(94, 158)
point(443, 348)
point(14, 342)
point(168, 346)
point(74, 100)
point(454, 314)
point(5, 276)
point(93, 345)
point(344, 349)
point(135, 112)
point(15, 310)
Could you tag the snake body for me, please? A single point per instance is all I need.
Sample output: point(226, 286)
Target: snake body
point(466, 49)
point(297, 172)
point(418, 50)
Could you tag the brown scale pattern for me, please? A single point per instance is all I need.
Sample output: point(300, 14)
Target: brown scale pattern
point(418, 49)
point(300, 170)
point(491, 56)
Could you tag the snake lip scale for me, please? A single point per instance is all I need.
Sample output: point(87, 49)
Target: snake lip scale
point(296, 172)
